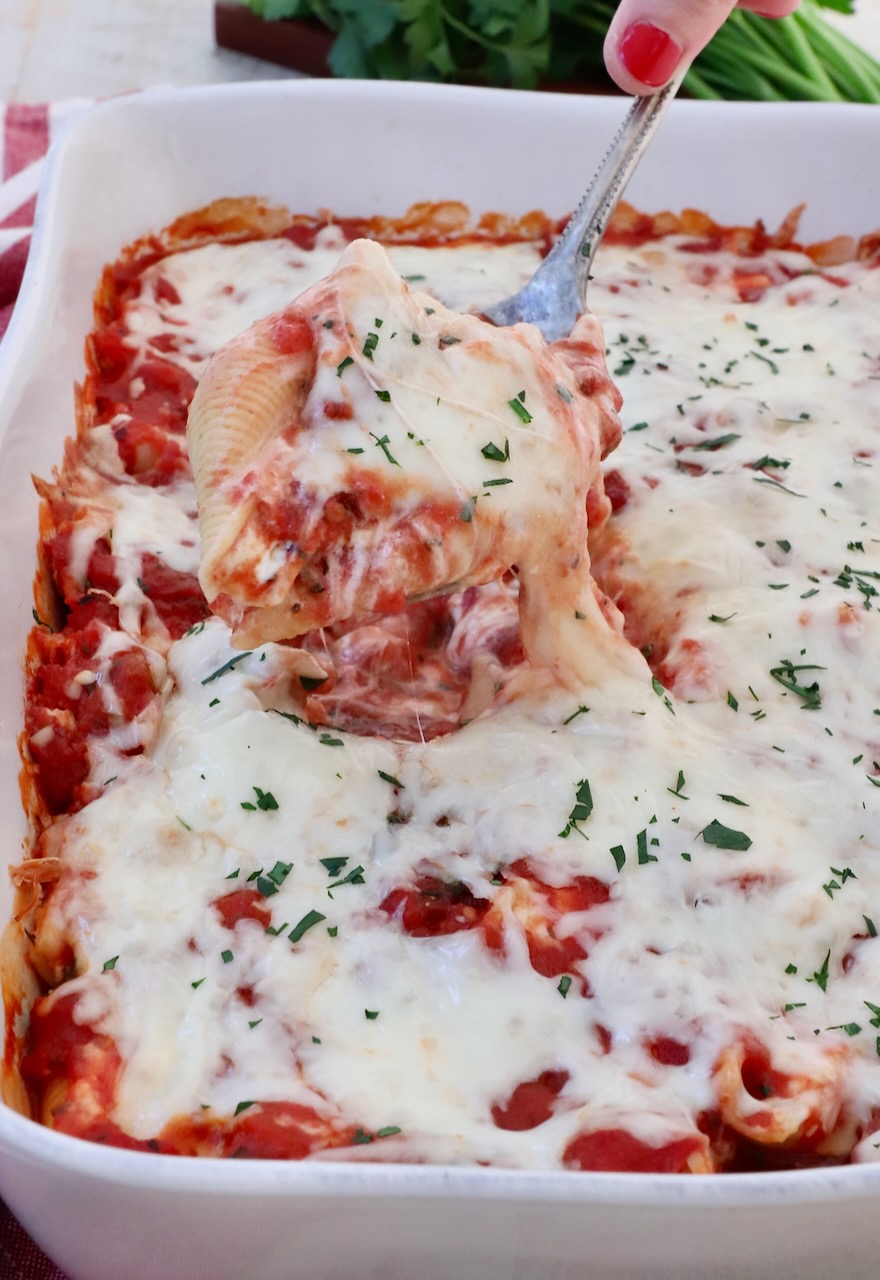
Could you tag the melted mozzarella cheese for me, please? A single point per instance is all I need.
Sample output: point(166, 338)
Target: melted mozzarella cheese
point(223, 289)
point(758, 555)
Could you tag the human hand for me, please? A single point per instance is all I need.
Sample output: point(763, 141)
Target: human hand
point(648, 40)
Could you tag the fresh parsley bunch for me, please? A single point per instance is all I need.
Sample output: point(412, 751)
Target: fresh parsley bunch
point(506, 42)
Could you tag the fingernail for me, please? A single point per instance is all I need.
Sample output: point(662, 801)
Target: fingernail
point(649, 54)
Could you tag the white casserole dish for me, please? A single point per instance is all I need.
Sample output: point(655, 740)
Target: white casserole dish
point(134, 164)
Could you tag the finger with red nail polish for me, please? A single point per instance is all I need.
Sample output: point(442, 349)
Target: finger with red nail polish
point(649, 54)
point(649, 40)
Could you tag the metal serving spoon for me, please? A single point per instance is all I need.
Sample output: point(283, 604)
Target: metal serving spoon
point(557, 293)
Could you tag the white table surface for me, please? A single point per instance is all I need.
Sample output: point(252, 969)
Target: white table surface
point(55, 49)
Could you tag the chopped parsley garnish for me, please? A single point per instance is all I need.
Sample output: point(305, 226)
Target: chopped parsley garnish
point(390, 778)
point(618, 853)
point(642, 848)
point(327, 740)
point(361, 1137)
point(256, 1022)
point(842, 874)
point(195, 985)
point(343, 365)
point(494, 454)
point(388, 1131)
point(355, 876)
point(785, 674)
point(309, 920)
point(773, 366)
point(227, 957)
point(732, 701)
point(716, 442)
point(488, 484)
point(820, 977)
point(714, 617)
point(370, 343)
point(271, 882)
point(280, 872)
point(333, 866)
point(870, 926)
point(678, 790)
point(265, 801)
point(382, 443)
point(775, 464)
point(859, 578)
point(564, 985)
point(581, 711)
point(371, 1014)
point(384, 396)
point(661, 693)
point(517, 404)
point(725, 837)
point(581, 811)
point(227, 666)
point(776, 485)
point(243, 1106)
point(732, 799)
point(110, 964)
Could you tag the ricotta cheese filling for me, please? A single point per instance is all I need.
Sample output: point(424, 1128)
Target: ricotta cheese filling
point(721, 802)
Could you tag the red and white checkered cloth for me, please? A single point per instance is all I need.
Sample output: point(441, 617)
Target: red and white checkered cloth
point(25, 135)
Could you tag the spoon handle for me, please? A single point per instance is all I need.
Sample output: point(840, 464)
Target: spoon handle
point(557, 293)
point(583, 232)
